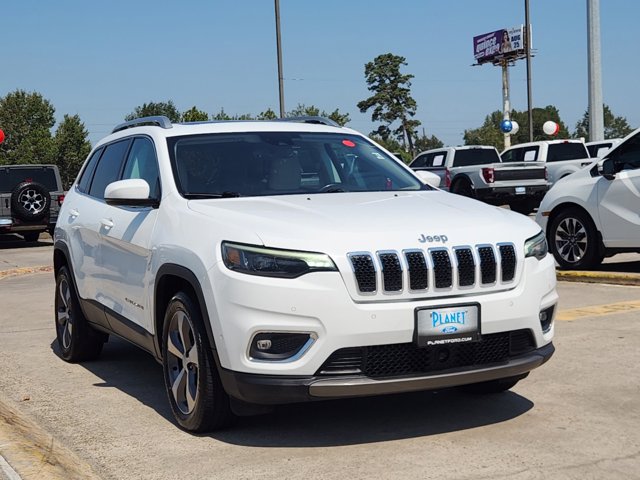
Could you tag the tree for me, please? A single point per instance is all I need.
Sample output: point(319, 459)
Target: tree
point(427, 143)
point(268, 114)
point(195, 115)
point(614, 127)
point(391, 100)
point(312, 111)
point(71, 148)
point(27, 119)
point(490, 134)
point(168, 109)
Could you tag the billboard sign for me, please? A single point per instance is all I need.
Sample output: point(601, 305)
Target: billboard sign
point(505, 43)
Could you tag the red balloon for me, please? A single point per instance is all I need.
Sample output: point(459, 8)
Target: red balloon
point(1, 136)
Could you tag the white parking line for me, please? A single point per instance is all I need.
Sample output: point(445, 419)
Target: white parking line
point(10, 473)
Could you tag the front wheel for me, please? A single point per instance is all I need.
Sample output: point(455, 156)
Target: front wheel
point(197, 397)
point(464, 188)
point(573, 240)
point(76, 339)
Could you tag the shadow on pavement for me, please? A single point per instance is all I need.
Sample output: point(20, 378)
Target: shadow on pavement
point(14, 240)
point(316, 424)
point(620, 267)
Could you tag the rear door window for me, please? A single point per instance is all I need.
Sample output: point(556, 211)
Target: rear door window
point(87, 173)
point(475, 156)
point(566, 151)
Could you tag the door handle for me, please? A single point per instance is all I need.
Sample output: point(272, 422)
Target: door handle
point(106, 223)
point(74, 213)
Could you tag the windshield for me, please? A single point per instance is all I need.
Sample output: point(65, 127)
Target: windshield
point(282, 163)
point(475, 156)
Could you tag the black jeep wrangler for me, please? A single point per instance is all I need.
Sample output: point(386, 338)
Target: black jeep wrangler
point(30, 199)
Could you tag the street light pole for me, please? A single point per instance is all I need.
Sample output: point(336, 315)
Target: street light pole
point(528, 50)
point(279, 47)
point(596, 116)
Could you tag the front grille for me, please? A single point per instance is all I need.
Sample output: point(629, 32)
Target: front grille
point(466, 267)
point(391, 272)
point(436, 268)
point(442, 268)
point(508, 262)
point(408, 359)
point(365, 272)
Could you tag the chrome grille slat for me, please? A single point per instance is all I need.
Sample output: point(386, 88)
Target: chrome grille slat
point(391, 271)
point(507, 261)
point(365, 272)
point(442, 272)
point(466, 266)
point(488, 266)
point(418, 270)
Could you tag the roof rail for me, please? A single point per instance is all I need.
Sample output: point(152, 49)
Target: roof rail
point(309, 119)
point(159, 121)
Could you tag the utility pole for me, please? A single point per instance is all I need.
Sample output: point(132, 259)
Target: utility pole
point(596, 114)
point(506, 104)
point(528, 52)
point(279, 47)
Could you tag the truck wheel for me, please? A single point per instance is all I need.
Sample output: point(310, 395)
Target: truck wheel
point(31, 236)
point(76, 339)
point(464, 188)
point(573, 240)
point(197, 397)
point(525, 207)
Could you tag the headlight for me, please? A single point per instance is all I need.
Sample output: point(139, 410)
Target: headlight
point(270, 262)
point(536, 246)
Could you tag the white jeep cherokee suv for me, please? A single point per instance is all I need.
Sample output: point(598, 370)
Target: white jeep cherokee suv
point(264, 263)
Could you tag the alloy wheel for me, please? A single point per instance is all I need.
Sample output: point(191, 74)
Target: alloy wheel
point(571, 240)
point(32, 200)
point(64, 313)
point(182, 360)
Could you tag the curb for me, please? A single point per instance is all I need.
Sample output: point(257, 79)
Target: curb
point(14, 272)
point(599, 277)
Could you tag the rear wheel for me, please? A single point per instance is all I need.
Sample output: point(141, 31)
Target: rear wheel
point(197, 397)
point(464, 188)
point(31, 236)
point(574, 241)
point(76, 339)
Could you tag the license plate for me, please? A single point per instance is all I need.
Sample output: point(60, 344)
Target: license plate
point(447, 325)
point(521, 190)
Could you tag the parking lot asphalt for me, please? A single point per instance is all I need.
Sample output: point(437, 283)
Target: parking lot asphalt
point(574, 418)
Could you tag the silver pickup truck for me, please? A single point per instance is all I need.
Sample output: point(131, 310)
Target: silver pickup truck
point(562, 157)
point(476, 171)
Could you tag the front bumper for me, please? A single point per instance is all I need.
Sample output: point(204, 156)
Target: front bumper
point(281, 389)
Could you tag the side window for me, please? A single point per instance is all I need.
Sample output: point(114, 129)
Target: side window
point(510, 155)
point(627, 155)
point(108, 169)
point(87, 173)
point(421, 161)
point(142, 163)
point(530, 154)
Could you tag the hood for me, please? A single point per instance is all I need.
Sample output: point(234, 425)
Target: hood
point(336, 223)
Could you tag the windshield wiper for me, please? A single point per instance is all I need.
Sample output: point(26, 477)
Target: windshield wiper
point(212, 195)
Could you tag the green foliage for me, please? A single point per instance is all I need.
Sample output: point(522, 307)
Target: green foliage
point(614, 127)
point(427, 143)
point(490, 134)
point(27, 119)
point(71, 148)
point(222, 115)
point(195, 115)
point(312, 111)
point(168, 109)
point(268, 114)
point(391, 100)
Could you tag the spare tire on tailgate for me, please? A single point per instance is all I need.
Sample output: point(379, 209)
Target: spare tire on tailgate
point(30, 201)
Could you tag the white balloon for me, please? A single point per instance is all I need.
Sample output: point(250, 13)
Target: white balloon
point(550, 128)
point(514, 127)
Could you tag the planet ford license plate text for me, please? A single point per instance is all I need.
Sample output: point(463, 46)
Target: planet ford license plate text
point(447, 325)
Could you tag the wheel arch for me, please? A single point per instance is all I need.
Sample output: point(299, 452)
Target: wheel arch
point(170, 279)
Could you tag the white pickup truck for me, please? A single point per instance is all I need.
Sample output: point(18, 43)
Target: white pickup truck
point(562, 157)
point(476, 171)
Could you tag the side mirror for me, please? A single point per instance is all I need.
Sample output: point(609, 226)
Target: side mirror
point(429, 178)
point(133, 192)
point(607, 169)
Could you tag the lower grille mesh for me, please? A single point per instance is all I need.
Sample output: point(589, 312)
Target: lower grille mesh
point(407, 359)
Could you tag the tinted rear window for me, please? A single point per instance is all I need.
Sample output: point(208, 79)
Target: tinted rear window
point(11, 177)
point(475, 156)
point(566, 151)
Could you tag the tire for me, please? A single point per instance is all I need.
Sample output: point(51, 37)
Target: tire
point(31, 236)
point(574, 241)
point(197, 397)
point(30, 201)
point(493, 386)
point(464, 188)
point(77, 340)
point(525, 207)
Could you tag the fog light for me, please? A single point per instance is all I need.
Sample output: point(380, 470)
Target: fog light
point(546, 318)
point(276, 346)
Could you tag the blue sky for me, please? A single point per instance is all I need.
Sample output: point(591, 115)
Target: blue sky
point(101, 59)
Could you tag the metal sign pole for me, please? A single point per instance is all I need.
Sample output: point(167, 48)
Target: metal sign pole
point(506, 105)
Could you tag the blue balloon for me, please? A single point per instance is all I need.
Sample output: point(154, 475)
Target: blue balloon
point(506, 126)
